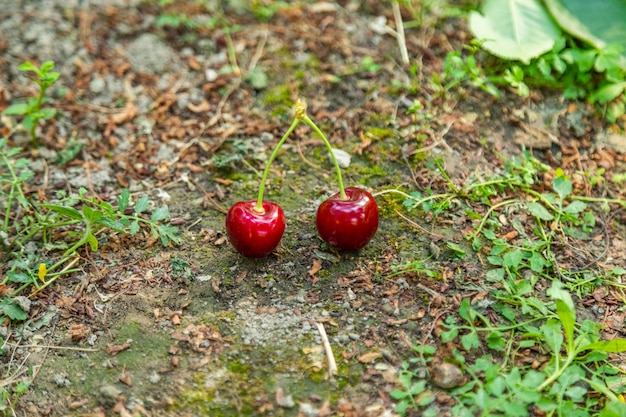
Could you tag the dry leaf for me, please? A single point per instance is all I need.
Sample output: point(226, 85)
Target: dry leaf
point(202, 107)
point(317, 265)
point(78, 332)
point(126, 115)
point(369, 357)
point(112, 349)
point(511, 235)
point(126, 380)
point(181, 337)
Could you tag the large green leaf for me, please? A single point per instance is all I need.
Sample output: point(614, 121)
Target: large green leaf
point(600, 22)
point(514, 29)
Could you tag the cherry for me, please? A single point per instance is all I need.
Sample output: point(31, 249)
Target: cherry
point(350, 222)
point(255, 227)
point(255, 232)
point(346, 221)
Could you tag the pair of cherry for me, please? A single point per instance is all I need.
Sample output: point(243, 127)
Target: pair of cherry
point(346, 221)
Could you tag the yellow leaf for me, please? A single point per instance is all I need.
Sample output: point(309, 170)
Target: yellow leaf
point(42, 271)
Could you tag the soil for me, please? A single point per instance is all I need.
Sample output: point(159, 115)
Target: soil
point(163, 110)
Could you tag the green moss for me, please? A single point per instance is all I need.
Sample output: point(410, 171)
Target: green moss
point(239, 367)
point(279, 99)
point(379, 133)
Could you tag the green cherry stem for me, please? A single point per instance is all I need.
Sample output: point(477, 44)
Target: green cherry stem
point(259, 203)
point(301, 115)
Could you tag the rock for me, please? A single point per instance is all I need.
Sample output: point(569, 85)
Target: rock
point(108, 394)
point(308, 410)
point(343, 157)
point(284, 400)
point(154, 378)
point(149, 54)
point(447, 375)
point(97, 85)
point(613, 140)
point(61, 380)
point(23, 302)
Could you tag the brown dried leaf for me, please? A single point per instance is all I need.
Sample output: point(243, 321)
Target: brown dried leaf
point(64, 301)
point(126, 115)
point(78, 332)
point(126, 380)
point(511, 235)
point(317, 266)
point(201, 107)
point(78, 404)
point(369, 357)
point(112, 349)
point(181, 337)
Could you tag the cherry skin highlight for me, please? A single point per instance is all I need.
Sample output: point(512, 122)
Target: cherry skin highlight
point(348, 224)
point(255, 234)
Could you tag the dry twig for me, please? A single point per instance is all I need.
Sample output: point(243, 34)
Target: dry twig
point(332, 364)
point(399, 32)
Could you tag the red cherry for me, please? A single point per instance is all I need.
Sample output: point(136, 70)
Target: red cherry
point(348, 224)
point(252, 233)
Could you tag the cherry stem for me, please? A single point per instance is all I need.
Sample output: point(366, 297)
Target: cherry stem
point(259, 203)
point(301, 115)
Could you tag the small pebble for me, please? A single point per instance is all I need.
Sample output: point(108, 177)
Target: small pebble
point(447, 375)
point(108, 394)
point(388, 308)
point(97, 85)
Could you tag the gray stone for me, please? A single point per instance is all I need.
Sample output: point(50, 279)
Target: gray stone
point(149, 54)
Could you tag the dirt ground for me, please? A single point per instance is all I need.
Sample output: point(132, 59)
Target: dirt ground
point(164, 109)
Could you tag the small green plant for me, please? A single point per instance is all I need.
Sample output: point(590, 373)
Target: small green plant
point(28, 219)
point(265, 10)
point(573, 46)
point(462, 68)
point(577, 378)
point(580, 72)
point(11, 390)
point(32, 109)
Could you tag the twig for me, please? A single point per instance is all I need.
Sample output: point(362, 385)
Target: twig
point(258, 53)
point(87, 166)
point(400, 32)
point(430, 291)
point(332, 364)
point(76, 348)
point(253, 62)
point(207, 195)
point(21, 369)
point(45, 355)
point(412, 223)
point(440, 141)
point(304, 158)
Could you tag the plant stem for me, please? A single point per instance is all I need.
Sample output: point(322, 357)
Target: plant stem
point(558, 370)
point(259, 203)
point(15, 188)
point(445, 175)
point(418, 201)
point(486, 216)
point(599, 200)
point(53, 277)
point(301, 115)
